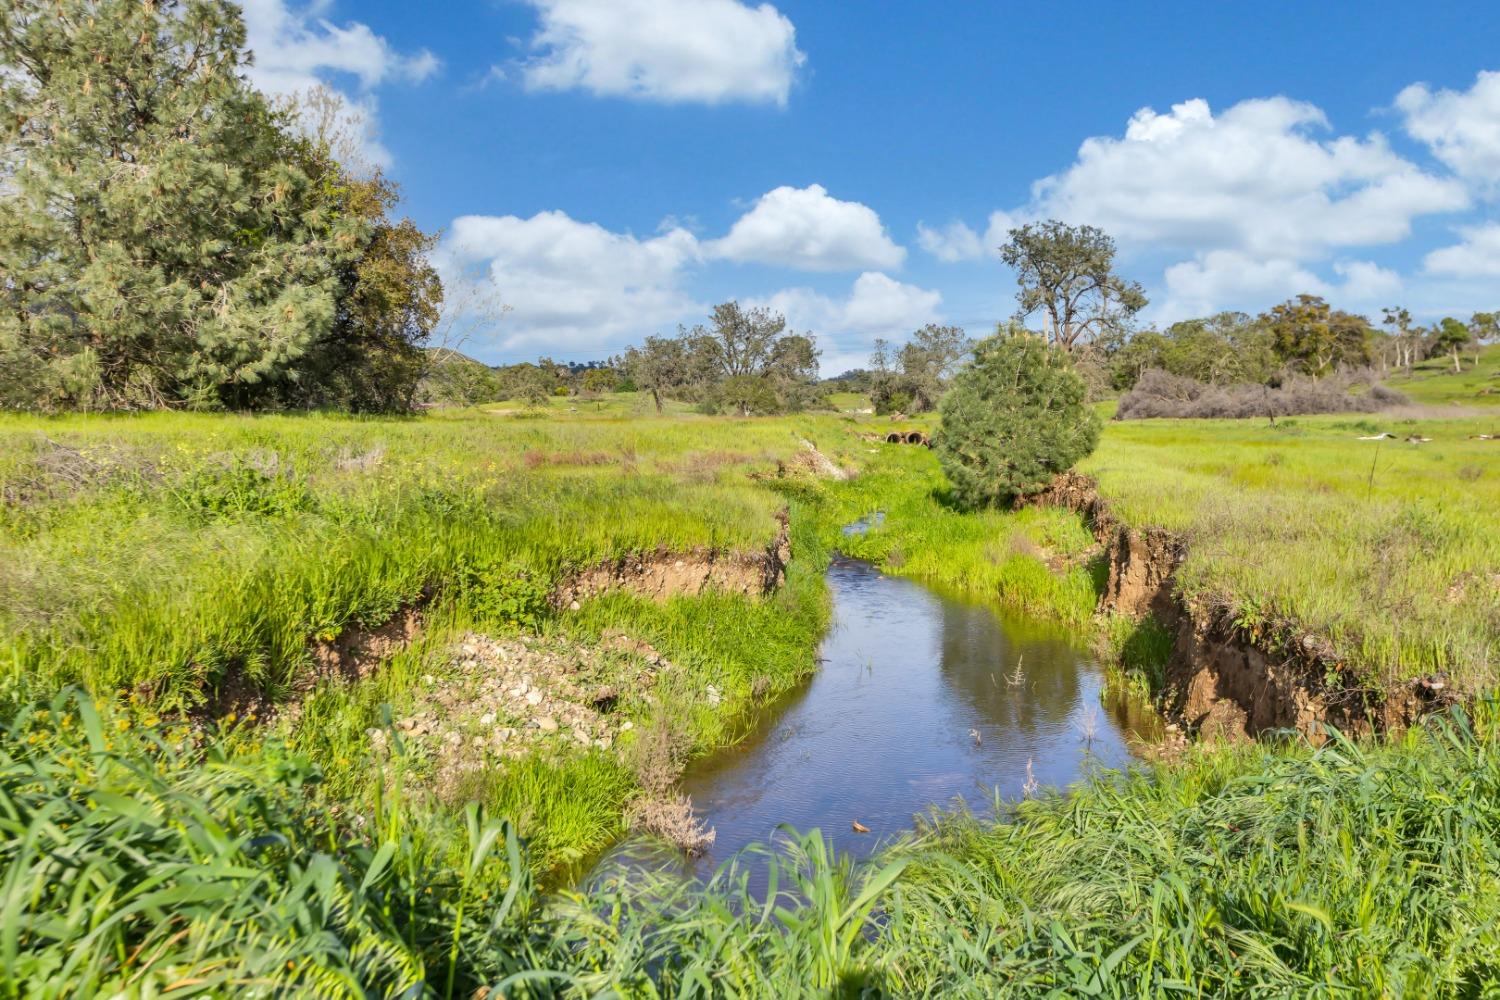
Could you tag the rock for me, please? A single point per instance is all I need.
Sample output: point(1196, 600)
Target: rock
point(533, 697)
point(487, 719)
point(547, 724)
point(574, 606)
point(626, 726)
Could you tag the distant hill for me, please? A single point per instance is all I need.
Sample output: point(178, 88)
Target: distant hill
point(455, 379)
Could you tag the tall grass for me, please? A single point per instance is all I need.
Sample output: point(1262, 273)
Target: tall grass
point(129, 866)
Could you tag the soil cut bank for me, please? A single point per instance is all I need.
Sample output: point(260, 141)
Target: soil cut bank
point(663, 573)
point(1231, 679)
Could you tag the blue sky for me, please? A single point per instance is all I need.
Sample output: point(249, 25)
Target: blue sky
point(610, 168)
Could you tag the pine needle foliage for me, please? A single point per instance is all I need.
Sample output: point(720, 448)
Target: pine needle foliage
point(1015, 417)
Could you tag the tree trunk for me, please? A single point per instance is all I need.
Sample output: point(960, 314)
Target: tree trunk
point(1457, 368)
point(656, 398)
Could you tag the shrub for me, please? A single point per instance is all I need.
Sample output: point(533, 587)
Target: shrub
point(1015, 418)
point(1160, 394)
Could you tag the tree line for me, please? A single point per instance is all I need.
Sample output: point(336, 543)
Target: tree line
point(1067, 279)
point(169, 237)
point(744, 361)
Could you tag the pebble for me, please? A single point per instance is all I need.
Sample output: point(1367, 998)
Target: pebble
point(546, 724)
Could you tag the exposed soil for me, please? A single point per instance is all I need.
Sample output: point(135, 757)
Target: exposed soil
point(351, 656)
point(663, 573)
point(359, 649)
point(820, 464)
point(497, 699)
point(1232, 680)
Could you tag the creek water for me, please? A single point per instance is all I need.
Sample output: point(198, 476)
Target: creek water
point(921, 699)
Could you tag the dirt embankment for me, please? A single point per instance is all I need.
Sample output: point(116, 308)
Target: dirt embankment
point(662, 574)
point(1228, 679)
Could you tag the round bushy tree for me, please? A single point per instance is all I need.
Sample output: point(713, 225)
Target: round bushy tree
point(1015, 417)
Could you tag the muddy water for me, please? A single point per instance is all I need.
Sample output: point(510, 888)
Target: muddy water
point(921, 699)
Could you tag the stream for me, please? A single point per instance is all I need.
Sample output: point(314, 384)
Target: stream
point(921, 699)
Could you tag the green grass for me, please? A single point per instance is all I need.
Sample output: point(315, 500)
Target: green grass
point(1382, 547)
point(147, 558)
point(1032, 560)
point(1435, 382)
point(847, 401)
point(160, 556)
point(130, 866)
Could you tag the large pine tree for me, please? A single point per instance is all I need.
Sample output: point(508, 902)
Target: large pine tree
point(159, 242)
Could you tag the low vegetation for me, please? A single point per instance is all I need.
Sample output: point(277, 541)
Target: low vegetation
point(319, 704)
point(1434, 381)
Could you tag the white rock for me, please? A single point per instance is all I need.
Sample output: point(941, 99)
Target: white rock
point(487, 719)
point(626, 726)
point(546, 724)
point(533, 697)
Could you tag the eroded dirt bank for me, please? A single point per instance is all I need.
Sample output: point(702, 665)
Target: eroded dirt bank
point(1228, 679)
point(662, 574)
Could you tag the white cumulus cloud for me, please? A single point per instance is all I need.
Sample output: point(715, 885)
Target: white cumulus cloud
point(704, 51)
point(877, 306)
point(569, 286)
point(1258, 178)
point(1477, 256)
point(1461, 127)
point(297, 49)
point(808, 229)
point(953, 242)
point(1231, 279)
point(956, 241)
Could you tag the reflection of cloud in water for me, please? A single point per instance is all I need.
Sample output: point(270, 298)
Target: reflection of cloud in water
point(881, 733)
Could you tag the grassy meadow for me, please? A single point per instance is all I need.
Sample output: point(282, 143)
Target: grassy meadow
point(156, 845)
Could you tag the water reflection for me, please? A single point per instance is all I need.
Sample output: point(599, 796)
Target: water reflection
point(919, 701)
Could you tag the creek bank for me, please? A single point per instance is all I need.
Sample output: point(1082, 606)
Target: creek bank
point(1229, 679)
point(351, 656)
point(664, 573)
